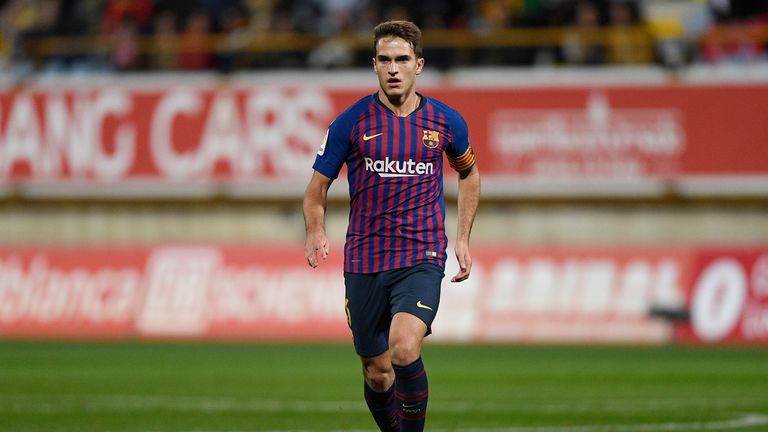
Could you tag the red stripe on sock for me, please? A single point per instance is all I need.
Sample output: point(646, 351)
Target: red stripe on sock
point(412, 398)
point(408, 378)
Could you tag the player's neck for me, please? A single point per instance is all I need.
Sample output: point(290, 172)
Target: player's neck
point(401, 106)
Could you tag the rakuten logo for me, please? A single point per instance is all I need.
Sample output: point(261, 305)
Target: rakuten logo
point(395, 168)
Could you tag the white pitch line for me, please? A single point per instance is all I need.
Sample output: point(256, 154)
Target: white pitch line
point(27, 403)
point(746, 421)
point(21, 403)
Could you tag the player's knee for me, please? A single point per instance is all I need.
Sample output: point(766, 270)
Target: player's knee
point(379, 376)
point(404, 350)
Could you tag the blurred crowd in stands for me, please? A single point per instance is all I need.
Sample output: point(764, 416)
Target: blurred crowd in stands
point(227, 35)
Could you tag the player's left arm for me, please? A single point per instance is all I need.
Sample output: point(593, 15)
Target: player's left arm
point(468, 200)
point(462, 159)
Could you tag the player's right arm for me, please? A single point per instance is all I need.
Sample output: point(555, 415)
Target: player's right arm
point(331, 156)
point(315, 202)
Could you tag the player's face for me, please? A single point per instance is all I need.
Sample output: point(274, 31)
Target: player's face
point(396, 66)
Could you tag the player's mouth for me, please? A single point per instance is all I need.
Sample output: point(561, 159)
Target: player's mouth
point(393, 82)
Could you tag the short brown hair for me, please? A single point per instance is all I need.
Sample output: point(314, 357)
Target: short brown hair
point(405, 30)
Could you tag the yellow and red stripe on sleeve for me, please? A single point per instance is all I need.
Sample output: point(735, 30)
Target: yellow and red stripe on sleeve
point(463, 162)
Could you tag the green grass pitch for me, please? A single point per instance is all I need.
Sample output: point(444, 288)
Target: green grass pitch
point(253, 387)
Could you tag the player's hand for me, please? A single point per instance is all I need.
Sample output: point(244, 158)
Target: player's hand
point(316, 246)
point(465, 262)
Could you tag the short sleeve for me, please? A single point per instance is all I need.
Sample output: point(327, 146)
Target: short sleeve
point(459, 152)
point(333, 150)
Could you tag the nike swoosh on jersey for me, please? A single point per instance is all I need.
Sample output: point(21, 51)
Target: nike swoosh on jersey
point(366, 137)
point(422, 305)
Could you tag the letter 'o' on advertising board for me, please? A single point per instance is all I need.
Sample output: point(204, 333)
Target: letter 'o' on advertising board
point(718, 299)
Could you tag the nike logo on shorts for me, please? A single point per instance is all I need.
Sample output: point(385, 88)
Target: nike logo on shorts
point(422, 305)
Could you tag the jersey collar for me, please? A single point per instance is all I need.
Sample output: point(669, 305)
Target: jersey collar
point(422, 102)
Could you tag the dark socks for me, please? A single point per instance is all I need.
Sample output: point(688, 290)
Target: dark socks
point(411, 391)
point(383, 407)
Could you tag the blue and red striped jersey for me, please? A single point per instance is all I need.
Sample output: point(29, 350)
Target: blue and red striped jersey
point(395, 173)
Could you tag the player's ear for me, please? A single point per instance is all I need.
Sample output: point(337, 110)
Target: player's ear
point(373, 60)
point(419, 65)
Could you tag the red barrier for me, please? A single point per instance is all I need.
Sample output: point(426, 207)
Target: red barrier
point(262, 135)
point(564, 295)
point(268, 293)
point(591, 295)
point(257, 293)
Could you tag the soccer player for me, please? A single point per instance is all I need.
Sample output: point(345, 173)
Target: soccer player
point(394, 257)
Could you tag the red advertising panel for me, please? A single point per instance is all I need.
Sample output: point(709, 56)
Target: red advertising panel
point(269, 293)
point(618, 131)
point(728, 299)
point(74, 292)
point(255, 293)
point(268, 134)
point(564, 295)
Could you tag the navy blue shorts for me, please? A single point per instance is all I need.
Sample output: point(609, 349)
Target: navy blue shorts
point(372, 299)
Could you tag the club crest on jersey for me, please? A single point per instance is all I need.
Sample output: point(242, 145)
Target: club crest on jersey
point(431, 138)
